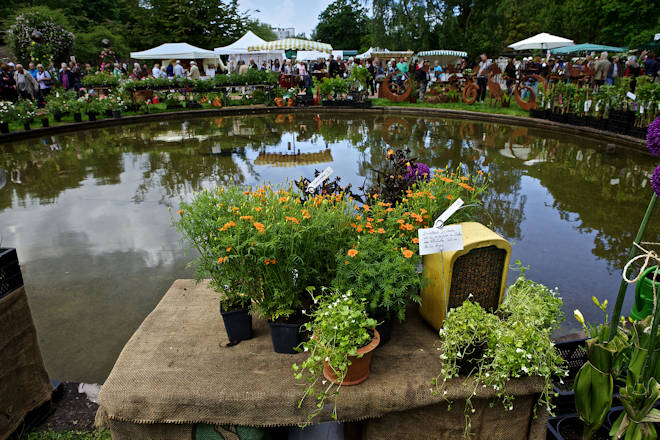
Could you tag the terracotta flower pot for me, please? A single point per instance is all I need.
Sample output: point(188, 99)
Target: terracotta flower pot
point(279, 102)
point(290, 102)
point(358, 371)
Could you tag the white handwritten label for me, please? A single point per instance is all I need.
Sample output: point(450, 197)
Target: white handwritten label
point(440, 221)
point(320, 178)
point(434, 240)
point(631, 95)
point(587, 105)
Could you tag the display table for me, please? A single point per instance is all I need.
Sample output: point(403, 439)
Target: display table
point(177, 372)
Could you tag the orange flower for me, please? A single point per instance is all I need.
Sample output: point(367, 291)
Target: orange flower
point(305, 213)
point(380, 220)
point(389, 210)
point(222, 259)
point(246, 217)
point(446, 179)
point(463, 178)
point(358, 217)
point(345, 262)
point(258, 208)
point(234, 208)
point(283, 199)
point(481, 173)
point(466, 186)
point(353, 225)
point(423, 211)
point(352, 252)
point(369, 226)
point(405, 200)
point(292, 220)
point(259, 226)
point(415, 240)
point(366, 208)
point(247, 193)
point(409, 227)
point(228, 248)
point(401, 221)
point(180, 211)
point(359, 228)
point(384, 204)
point(381, 231)
point(370, 219)
point(407, 253)
point(390, 152)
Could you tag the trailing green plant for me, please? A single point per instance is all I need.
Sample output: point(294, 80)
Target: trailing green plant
point(491, 351)
point(339, 326)
point(102, 79)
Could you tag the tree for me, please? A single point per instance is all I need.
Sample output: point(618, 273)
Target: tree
point(342, 24)
point(262, 30)
point(88, 44)
point(57, 40)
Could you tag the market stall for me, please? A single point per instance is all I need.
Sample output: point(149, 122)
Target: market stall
point(543, 41)
point(586, 48)
point(291, 46)
point(238, 50)
point(184, 52)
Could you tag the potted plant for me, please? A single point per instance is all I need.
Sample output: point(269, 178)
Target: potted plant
point(76, 106)
point(94, 107)
point(115, 104)
point(25, 112)
point(174, 100)
point(7, 115)
point(340, 348)
point(494, 350)
point(42, 114)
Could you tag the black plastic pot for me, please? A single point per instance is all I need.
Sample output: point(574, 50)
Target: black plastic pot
point(44, 123)
point(10, 271)
point(77, 117)
point(174, 106)
point(638, 132)
point(471, 361)
point(91, 116)
point(108, 113)
point(570, 428)
point(285, 337)
point(574, 356)
point(385, 330)
point(238, 324)
point(538, 114)
point(26, 126)
point(57, 117)
point(116, 114)
point(4, 127)
point(575, 120)
point(558, 117)
point(193, 105)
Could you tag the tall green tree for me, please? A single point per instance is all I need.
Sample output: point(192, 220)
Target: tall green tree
point(342, 24)
point(262, 30)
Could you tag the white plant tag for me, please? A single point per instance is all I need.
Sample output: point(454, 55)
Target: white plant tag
point(587, 105)
point(440, 221)
point(631, 95)
point(319, 179)
point(434, 240)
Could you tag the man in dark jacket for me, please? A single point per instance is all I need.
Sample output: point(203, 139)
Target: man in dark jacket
point(67, 78)
point(333, 67)
point(422, 77)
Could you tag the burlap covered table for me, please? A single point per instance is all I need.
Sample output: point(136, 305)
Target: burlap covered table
point(24, 383)
point(177, 372)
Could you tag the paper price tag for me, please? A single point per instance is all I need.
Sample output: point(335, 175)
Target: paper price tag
point(448, 213)
point(434, 240)
point(587, 105)
point(319, 179)
point(631, 95)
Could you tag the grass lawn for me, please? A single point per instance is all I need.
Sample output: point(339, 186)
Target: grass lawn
point(514, 110)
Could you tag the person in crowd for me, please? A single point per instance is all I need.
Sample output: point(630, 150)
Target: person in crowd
point(264, 66)
point(402, 66)
point(633, 70)
point(651, 66)
point(510, 72)
point(483, 69)
point(116, 71)
point(178, 70)
point(87, 70)
point(169, 70)
point(45, 82)
point(67, 79)
point(253, 65)
point(437, 71)
point(194, 71)
point(287, 67)
point(422, 77)
point(463, 64)
point(333, 66)
point(155, 71)
point(7, 84)
point(601, 69)
point(301, 68)
point(276, 65)
point(144, 71)
point(135, 73)
point(26, 85)
point(242, 67)
point(342, 67)
point(616, 69)
point(32, 69)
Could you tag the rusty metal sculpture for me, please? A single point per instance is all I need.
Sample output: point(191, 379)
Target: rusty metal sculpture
point(494, 89)
point(395, 89)
point(470, 91)
point(395, 132)
point(522, 86)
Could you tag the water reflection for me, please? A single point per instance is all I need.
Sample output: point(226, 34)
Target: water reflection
point(88, 211)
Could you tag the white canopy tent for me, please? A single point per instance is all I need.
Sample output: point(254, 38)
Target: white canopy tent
point(238, 50)
point(541, 41)
point(313, 55)
point(444, 57)
point(181, 51)
point(384, 53)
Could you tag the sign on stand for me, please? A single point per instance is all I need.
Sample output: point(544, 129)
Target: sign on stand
point(319, 179)
point(441, 238)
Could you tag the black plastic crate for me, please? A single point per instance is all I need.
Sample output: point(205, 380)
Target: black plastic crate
point(538, 114)
point(574, 355)
point(10, 272)
point(305, 99)
point(638, 132)
point(618, 127)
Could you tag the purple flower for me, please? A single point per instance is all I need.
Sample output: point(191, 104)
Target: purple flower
point(655, 181)
point(419, 171)
point(653, 137)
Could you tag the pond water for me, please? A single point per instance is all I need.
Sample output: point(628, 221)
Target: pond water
point(89, 211)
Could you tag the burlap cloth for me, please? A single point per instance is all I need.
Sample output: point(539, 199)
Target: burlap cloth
point(24, 383)
point(177, 369)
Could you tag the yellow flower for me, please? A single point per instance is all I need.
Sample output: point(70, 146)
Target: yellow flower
point(578, 315)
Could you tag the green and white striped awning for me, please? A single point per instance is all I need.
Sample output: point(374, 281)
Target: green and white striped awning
point(291, 44)
point(442, 53)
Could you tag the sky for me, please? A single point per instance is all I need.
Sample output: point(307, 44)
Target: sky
point(300, 14)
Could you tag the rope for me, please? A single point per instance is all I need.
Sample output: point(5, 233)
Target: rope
point(646, 256)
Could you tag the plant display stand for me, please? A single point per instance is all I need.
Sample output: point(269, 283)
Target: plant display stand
point(177, 374)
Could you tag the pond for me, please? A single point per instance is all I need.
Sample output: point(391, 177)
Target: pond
point(89, 211)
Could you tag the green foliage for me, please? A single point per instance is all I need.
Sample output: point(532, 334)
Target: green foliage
point(342, 24)
point(7, 112)
point(331, 86)
point(104, 79)
point(496, 350)
point(88, 43)
point(25, 110)
point(339, 326)
point(103, 434)
point(262, 30)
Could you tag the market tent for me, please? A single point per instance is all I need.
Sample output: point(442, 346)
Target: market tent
point(291, 44)
point(313, 55)
point(587, 47)
point(444, 57)
point(169, 51)
point(367, 54)
point(541, 41)
point(182, 51)
point(238, 50)
point(384, 53)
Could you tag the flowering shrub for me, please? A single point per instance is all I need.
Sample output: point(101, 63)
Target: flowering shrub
point(115, 102)
point(57, 41)
point(7, 112)
point(498, 350)
point(101, 78)
point(108, 58)
point(653, 137)
point(25, 110)
point(58, 102)
point(340, 327)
